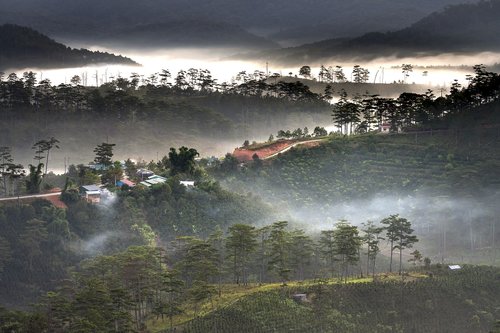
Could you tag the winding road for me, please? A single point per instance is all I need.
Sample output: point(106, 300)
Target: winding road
point(291, 146)
point(31, 196)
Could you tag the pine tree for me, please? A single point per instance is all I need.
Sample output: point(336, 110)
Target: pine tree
point(399, 234)
point(241, 243)
point(104, 153)
point(347, 243)
point(279, 261)
point(372, 240)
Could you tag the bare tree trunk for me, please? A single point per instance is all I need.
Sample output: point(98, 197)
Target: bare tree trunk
point(368, 263)
point(373, 268)
point(390, 263)
point(47, 161)
point(400, 260)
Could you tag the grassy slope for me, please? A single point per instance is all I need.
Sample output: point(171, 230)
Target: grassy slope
point(361, 166)
point(458, 301)
point(231, 294)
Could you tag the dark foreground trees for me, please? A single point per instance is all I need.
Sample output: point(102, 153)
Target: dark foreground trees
point(119, 292)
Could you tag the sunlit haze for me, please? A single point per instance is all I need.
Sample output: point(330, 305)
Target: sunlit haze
point(382, 70)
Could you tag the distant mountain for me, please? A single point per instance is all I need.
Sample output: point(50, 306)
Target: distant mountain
point(283, 20)
point(24, 47)
point(459, 28)
point(187, 33)
point(355, 18)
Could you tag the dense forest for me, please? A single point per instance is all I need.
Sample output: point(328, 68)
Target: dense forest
point(151, 252)
point(144, 114)
point(52, 239)
point(24, 47)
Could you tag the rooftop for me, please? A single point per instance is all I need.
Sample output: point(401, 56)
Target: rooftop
point(91, 188)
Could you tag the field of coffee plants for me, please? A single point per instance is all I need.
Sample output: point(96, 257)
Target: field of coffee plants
point(464, 301)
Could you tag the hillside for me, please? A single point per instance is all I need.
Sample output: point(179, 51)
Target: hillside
point(365, 165)
point(24, 47)
point(465, 301)
point(434, 34)
point(445, 180)
point(51, 240)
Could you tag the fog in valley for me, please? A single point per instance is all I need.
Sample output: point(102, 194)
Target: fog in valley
point(433, 71)
point(151, 141)
point(451, 229)
point(249, 166)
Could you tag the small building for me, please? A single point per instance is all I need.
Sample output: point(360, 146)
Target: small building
point(91, 193)
point(454, 267)
point(300, 298)
point(153, 180)
point(98, 166)
point(187, 183)
point(385, 128)
point(123, 182)
point(144, 173)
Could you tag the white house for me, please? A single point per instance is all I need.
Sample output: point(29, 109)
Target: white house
point(187, 183)
point(91, 193)
point(153, 180)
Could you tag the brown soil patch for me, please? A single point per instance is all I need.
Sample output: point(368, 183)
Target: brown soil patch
point(245, 155)
point(56, 201)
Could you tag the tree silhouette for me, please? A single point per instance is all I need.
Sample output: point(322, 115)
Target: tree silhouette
point(104, 153)
point(182, 161)
point(305, 71)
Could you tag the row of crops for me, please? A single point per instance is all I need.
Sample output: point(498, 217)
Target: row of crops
point(459, 301)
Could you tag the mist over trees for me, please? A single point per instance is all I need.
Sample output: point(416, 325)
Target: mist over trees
point(144, 111)
point(130, 277)
point(411, 111)
point(347, 219)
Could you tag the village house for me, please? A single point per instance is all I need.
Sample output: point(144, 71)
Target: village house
point(144, 174)
point(187, 183)
point(386, 128)
point(123, 182)
point(153, 180)
point(91, 193)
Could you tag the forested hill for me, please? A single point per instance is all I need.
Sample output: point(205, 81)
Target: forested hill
point(447, 144)
point(186, 33)
point(444, 165)
point(458, 28)
point(24, 47)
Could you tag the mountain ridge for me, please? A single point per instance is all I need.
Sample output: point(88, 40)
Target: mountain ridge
point(25, 47)
point(434, 34)
point(276, 18)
